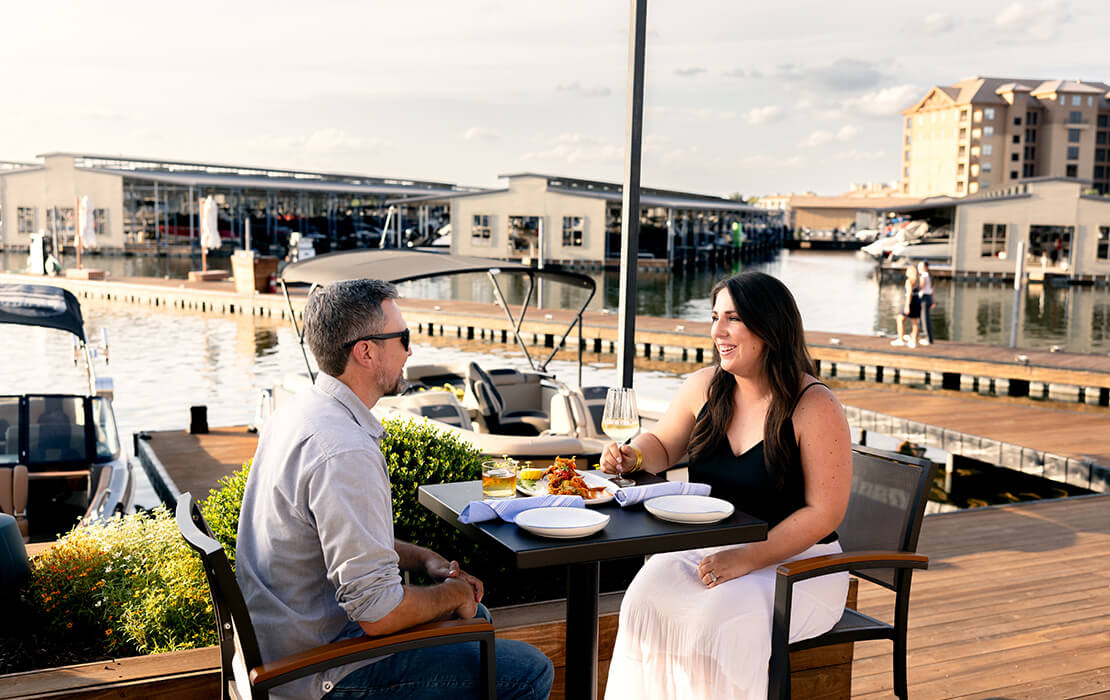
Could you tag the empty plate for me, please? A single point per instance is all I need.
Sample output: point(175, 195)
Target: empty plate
point(689, 509)
point(562, 522)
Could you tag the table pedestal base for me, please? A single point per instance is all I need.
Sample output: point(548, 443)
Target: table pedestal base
point(582, 610)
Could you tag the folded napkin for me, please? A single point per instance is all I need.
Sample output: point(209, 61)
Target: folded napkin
point(508, 508)
point(636, 494)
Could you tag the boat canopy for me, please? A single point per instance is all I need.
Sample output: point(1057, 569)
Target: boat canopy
point(41, 305)
point(403, 265)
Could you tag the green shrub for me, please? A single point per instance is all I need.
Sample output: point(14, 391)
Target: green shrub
point(221, 508)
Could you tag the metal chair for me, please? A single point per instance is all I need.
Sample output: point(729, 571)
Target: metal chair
point(233, 625)
point(879, 537)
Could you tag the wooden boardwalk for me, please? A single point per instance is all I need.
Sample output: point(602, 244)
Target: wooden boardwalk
point(1015, 604)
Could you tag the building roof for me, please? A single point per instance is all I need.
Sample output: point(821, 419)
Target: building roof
point(658, 197)
point(984, 90)
point(849, 202)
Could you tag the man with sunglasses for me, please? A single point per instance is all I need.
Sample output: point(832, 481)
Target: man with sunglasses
point(316, 557)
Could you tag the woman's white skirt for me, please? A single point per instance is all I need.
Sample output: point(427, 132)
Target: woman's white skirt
point(679, 639)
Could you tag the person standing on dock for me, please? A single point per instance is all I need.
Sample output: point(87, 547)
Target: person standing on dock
point(316, 556)
point(911, 309)
point(925, 293)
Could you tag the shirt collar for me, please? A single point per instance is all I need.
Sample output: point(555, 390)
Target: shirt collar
point(342, 393)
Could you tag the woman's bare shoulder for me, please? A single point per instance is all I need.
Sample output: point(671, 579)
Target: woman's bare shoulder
point(818, 403)
point(693, 392)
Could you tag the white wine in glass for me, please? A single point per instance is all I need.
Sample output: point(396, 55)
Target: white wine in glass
point(621, 421)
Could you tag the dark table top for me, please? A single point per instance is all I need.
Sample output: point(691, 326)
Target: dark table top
point(631, 531)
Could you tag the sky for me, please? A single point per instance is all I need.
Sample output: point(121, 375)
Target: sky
point(754, 98)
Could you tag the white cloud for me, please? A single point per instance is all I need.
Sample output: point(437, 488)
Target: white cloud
point(764, 115)
point(763, 160)
point(478, 133)
point(691, 112)
point(736, 73)
point(577, 88)
point(577, 148)
point(822, 137)
point(883, 103)
point(860, 155)
point(689, 72)
point(938, 23)
point(333, 140)
point(1035, 22)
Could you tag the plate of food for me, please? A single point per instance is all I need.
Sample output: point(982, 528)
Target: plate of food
point(563, 479)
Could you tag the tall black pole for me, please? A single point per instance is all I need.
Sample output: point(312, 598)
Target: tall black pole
point(630, 201)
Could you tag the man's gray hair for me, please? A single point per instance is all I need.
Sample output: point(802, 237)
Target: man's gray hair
point(338, 313)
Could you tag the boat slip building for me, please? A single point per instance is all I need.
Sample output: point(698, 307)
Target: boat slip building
point(144, 203)
point(574, 221)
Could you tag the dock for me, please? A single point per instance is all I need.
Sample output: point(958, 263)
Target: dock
point(1076, 377)
point(1015, 603)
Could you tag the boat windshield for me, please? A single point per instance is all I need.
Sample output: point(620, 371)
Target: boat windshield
point(55, 430)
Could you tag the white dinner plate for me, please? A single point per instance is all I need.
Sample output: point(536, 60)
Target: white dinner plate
point(562, 522)
point(689, 508)
point(592, 479)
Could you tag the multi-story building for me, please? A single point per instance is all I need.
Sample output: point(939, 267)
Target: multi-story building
point(984, 132)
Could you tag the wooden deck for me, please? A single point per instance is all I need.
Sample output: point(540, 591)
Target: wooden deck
point(1015, 604)
point(177, 461)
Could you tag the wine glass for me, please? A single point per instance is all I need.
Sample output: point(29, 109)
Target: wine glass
point(621, 422)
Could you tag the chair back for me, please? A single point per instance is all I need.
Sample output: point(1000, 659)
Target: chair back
point(485, 391)
point(233, 622)
point(887, 505)
point(14, 486)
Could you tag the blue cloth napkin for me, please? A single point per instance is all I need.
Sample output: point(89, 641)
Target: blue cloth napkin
point(631, 495)
point(508, 508)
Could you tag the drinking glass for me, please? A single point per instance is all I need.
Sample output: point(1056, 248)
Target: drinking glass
point(499, 478)
point(621, 421)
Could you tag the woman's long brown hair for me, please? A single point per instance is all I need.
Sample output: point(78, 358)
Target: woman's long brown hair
point(768, 309)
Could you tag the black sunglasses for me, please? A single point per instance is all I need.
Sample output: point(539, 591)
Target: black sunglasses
point(404, 335)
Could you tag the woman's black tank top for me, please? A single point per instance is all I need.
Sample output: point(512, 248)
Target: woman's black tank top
point(744, 481)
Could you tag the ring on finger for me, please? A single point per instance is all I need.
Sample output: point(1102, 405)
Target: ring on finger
point(712, 577)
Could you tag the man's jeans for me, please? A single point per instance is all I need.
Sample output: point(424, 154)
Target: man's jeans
point(451, 671)
point(926, 316)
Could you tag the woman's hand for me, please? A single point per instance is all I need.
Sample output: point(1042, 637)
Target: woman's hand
point(724, 565)
point(616, 459)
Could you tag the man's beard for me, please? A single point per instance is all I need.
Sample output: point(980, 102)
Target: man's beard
point(392, 388)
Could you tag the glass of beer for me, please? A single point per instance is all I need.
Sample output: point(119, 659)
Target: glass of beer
point(499, 478)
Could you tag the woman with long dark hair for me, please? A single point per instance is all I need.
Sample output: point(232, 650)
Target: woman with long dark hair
point(769, 437)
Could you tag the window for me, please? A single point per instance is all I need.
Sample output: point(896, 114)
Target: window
point(1075, 117)
point(1100, 155)
point(1028, 170)
point(1017, 121)
point(976, 133)
point(100, 222)
point(1100, 138)
point(1073, 152)
point(1030, 152)
point(906, 171)
point(959, 186)
point(960, 169)
point(1103, 120)
point(994, 240)
point(1031, 118)
point(988, 149)
point(975, 170)
point(984, 184)
point(973, 188)
point(1073, 135)
point(1013, 174)
point(1015, 156)
point(1031, 135)
point(963, 150)
point(909, 123)
point(988, 113)
point(988, 131)
point(987, 167)
point(1071, 171)
point(1100, 172)
point(974, 151)
point(572, 231)
point(25, 216)
point(963, 132)
point(907, 139)
point(978, 116)
point(1076, 100)
point(480, 233)
point(1090, 101)
point(963, 115)
point(906, 155)
point(1103, 248)
point(1016, 138)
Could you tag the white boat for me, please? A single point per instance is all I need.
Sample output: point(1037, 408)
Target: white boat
point(939, 249)
point(61, 461)
point(500, 411)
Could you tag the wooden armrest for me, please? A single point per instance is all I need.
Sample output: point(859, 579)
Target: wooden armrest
point(831, 563)
point(362, 647)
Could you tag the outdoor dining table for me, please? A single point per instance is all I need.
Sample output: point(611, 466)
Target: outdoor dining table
point(631, 532)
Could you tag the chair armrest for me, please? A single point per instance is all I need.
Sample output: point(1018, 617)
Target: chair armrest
point(365, 647)
point(831, 563)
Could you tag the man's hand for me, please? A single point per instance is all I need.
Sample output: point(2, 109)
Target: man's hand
point(468, 608)
point(440, 569)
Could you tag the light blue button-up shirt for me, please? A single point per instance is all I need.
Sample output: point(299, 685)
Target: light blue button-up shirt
point(315, 551)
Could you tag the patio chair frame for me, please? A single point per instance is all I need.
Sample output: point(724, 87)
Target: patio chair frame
point(864, 523)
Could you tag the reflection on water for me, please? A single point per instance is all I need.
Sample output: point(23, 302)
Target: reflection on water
point(126, 265)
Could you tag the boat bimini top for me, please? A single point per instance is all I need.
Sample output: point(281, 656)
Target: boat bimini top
point(404, 265)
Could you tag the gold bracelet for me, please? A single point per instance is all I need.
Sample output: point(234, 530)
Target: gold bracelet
point(639, 459)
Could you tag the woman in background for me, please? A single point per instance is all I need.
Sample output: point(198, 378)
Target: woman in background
point(911, 309)
point(769, 437)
